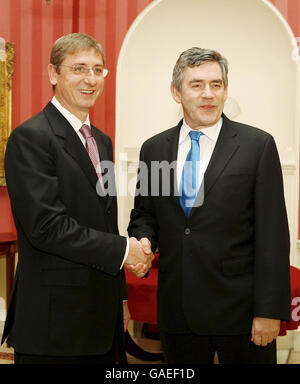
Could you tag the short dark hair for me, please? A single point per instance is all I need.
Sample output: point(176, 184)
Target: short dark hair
point(194, 57)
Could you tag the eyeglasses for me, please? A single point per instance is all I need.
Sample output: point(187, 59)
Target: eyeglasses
point(81, 70)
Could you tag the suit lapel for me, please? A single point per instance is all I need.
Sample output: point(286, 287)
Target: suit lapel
point(225, 147)
point(71, 142)
point(100, 144)
point(104, 157)
point(170, 155)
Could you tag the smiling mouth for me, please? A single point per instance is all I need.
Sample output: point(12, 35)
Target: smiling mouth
point(87, 92)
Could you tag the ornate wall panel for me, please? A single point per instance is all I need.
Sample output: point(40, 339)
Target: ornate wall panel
point(7, 52)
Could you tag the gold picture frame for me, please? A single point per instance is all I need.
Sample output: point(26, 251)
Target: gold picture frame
point(7, 53)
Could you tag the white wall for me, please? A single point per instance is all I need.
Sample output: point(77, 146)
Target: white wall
point(263, 78)
point(2, 289)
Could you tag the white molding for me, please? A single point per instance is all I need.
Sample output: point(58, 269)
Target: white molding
point(1, 328)
point(286, 342)
point(288, 167)
point(296, 338)
point(283, 20)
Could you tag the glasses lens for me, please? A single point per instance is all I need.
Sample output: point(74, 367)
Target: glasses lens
point(79, 69)
point(105, 72)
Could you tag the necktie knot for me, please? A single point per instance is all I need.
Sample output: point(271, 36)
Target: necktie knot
point(195, 135)
point(86, 131)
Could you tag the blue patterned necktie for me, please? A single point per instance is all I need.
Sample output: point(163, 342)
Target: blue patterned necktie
point(190, 174)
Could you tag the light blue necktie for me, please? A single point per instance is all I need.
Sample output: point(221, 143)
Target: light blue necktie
point(190, 174)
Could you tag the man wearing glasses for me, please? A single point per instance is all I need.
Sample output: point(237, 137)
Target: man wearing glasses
point(69, 298)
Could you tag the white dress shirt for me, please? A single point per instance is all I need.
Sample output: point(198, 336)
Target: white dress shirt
point(73, 120)
point(207, 144)
point(77, 124)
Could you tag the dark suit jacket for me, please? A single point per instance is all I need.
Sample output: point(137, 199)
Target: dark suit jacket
point(229, 261)
point(68, 284)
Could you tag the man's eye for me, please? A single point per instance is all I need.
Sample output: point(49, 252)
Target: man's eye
point(79, 69)
point(98, 70)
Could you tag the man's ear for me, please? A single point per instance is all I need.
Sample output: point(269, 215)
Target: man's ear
point(52, 74)
point(176, 94)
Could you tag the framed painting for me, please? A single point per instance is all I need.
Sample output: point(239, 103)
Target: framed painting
point(7, 52)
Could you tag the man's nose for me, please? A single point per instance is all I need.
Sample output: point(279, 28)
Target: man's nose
point(90, 77)
point(207, 92)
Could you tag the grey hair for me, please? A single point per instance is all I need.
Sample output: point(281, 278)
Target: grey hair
point(194, 57)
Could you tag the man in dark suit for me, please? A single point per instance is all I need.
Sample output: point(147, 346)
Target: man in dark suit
point(69, 291)
point(222, 231)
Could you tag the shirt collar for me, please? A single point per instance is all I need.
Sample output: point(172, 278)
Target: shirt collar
point(211, 132)
point(72, 119)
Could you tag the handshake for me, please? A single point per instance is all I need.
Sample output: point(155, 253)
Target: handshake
point(140, 256)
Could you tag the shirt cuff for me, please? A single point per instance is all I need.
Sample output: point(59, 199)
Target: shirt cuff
point(126, 253)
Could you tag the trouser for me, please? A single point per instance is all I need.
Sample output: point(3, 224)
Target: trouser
point(194, 349)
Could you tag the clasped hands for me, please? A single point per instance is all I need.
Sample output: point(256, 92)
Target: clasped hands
point(140, 256)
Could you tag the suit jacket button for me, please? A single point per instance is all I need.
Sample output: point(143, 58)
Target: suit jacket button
point(187, 231)
point(108, 211)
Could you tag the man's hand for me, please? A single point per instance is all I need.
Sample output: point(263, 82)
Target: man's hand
point(141, 268)
point(147, 247)
point(136, 254)
point(126, 315)
point(264, 330)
